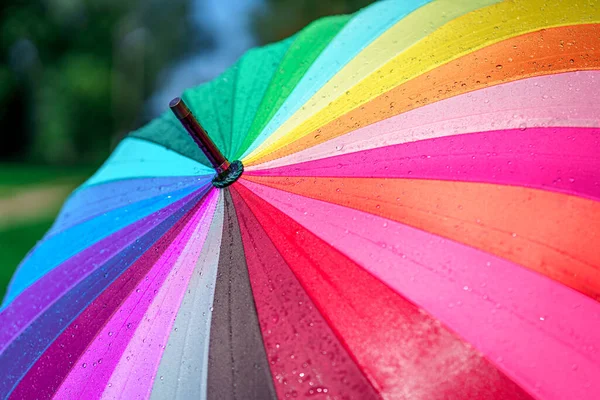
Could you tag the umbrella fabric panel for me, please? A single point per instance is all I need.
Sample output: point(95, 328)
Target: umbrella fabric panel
point(536, 229)
point(406, 32)
point(521, 318)
point(403, 351)
point(435, 55)
point(182, 373)
point(522, 104)
point(87, 203)
point(44, 292)
point(57, 249)
point(306, 358)
point(540, 158)
point(237, 363)
point(87, 306)
point(300, 56)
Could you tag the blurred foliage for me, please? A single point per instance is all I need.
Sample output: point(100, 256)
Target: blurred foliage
point(282, 18)
point(15, 243)
point(20, 233)
point(75, 74)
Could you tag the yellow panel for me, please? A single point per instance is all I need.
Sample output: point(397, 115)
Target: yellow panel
point(461, 36)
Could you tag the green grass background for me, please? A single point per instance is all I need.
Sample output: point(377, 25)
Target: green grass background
point(18, 238)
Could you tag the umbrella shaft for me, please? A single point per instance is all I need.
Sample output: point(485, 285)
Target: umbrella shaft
point(200, 136)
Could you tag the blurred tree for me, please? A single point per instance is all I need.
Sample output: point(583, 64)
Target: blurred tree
point(283, 18)
point(75, 74)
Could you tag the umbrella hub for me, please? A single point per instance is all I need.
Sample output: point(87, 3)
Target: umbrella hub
point(227, 173)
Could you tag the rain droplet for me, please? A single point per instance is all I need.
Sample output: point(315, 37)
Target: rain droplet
point(84, 365)
point(499, 66)
point(522, 126)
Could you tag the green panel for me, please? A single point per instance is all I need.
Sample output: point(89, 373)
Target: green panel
point(307, 46)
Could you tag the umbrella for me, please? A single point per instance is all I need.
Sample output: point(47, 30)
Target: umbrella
point(402, 204)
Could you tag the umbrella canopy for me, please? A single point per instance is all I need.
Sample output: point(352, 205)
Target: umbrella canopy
point(419, 218)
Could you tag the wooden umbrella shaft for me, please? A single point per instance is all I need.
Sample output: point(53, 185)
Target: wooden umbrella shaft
point(200, 136)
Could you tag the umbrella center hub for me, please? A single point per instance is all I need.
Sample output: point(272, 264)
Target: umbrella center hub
point(229, 176)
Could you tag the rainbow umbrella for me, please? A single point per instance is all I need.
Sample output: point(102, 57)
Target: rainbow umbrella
point(419, 218)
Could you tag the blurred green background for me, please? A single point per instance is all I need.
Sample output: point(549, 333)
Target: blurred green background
point(78, 75)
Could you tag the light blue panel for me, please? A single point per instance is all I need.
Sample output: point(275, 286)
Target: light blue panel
point(138, 158)
point(362, 29)
point(58, 248)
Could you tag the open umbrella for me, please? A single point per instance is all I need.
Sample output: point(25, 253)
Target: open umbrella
point(418, 218)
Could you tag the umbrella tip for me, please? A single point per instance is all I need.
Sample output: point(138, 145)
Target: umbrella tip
point(179, 108)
